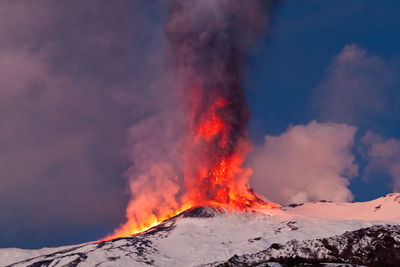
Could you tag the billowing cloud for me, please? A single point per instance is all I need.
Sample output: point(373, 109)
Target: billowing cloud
point(362, 89)
point(307, 162)
point(384, 154)
point(356, 89)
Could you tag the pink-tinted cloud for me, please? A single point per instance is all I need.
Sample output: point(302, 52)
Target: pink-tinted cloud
point(360, 89)
point(307, 162)
point(384, 154)
point(355, 89)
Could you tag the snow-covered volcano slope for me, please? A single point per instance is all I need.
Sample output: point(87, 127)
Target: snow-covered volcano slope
point(207, 235)
point(382, 209)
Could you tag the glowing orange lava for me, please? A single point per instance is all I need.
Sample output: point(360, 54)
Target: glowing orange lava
point(214, 176)
point(213, 172)
point(131, 227)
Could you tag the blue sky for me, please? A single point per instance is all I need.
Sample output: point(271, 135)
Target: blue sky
point(293, 59)
point(302, 42)
point(79, 78)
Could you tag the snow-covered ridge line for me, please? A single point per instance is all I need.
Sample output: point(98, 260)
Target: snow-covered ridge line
point(382, 209)
point(206, 235)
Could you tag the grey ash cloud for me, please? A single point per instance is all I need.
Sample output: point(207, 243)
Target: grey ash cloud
point(74, 77)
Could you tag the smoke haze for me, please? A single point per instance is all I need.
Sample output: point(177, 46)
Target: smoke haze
point(357, 89)
point(384, 154)
point(74, 77)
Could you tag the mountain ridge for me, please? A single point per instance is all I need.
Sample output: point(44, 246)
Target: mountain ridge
point(209, 236)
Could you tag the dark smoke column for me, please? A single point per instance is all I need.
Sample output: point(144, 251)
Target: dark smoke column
point(209, 39)
point(208, 42)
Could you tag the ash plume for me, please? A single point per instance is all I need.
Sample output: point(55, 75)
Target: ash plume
point(207, 44)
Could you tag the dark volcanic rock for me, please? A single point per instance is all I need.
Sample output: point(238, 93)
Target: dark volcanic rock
point(202, 212)
point(374, 246)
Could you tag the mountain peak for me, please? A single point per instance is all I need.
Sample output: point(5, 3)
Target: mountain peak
point(202, 212)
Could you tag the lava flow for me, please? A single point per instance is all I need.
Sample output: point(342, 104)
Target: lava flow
point(207, 45)
point(215, 151)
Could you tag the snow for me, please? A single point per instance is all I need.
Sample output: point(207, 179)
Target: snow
point(9, 255)
point(382, 209)
point(195, 241)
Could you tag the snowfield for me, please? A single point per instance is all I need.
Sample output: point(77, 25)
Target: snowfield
point(207, 236)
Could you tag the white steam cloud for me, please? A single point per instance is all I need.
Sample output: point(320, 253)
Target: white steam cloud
point(307, 162)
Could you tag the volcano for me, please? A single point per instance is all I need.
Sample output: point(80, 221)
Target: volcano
point(363, 233)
